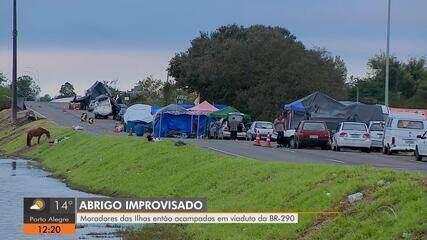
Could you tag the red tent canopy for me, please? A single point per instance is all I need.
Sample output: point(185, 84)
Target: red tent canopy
point(203, 108)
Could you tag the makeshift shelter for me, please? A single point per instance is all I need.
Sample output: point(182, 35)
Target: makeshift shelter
point(138, 113)
point(203, 108)
point(224, 114)
point(176, 120)
point(97, 89)
point(318, 106)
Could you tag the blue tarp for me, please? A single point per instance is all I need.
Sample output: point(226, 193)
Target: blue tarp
point(154, 109)
point(296, 106)
point(177, 120)
point(178, 124)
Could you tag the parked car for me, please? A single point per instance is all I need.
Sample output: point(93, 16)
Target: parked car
point(421, 147)
point(352, 135)
point(224, 130)
point(311, 133)
point(103, 107)
point(376, 130)
point(401, 131)
point(262, 127)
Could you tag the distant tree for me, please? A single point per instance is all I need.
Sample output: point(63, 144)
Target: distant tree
point(256, 69)
point(4, 93)
point(168, 93)
point(66, 90)
point(3, 79)
point(149, 92)
point(407, 82)
point(46, 98)
point(27, 88)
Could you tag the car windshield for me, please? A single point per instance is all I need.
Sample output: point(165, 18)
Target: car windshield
point(408, 124)
point(354, 126)
point(377, 127)
point(264, 125)
point(314, 126)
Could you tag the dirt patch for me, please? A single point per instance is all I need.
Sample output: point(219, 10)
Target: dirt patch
point(318, 224)
point(423, 183)
point(345, 208)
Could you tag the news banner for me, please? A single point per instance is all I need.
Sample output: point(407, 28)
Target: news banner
point(61, 215)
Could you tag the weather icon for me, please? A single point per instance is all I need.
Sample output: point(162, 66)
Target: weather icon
point(38, 204)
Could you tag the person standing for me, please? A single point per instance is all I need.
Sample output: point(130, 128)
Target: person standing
point(279, 127)
point(233, 124)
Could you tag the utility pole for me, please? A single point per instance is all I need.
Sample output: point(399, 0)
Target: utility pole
point(14, 67)
point(387, 60)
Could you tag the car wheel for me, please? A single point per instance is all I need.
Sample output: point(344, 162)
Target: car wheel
point(292, 143)
point(418, 157)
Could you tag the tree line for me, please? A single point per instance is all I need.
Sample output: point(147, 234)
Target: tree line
point(407, 83)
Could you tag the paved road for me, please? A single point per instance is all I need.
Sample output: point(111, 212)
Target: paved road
point(54, 112)
point(405, 162)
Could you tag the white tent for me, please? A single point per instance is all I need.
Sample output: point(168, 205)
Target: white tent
point(138, 112)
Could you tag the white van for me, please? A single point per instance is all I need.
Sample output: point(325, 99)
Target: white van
point(401, 130)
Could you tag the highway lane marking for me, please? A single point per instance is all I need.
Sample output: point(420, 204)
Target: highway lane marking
point(338, 161)
point(225, 152)
point(288, 150)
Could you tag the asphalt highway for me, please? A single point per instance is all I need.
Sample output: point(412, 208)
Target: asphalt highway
point(402, 161)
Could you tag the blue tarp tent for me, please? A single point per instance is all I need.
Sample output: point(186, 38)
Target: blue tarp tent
point(154, 109)
point(174, 119)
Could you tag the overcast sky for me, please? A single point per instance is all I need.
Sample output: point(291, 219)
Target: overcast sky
point(81, 41)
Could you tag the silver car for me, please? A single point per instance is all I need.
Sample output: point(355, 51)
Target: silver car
point(352, 135)
point(376, 130)
point(262, 127)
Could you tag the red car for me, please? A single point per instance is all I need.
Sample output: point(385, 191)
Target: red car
point(311, 134)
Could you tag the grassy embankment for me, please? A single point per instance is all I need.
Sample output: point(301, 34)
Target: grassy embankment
point(130, 166)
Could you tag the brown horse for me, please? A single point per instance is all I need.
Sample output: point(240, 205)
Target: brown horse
point(36, 132)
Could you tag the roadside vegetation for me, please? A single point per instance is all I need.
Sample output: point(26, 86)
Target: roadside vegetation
point(394, 204)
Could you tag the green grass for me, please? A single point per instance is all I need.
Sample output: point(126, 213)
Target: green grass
point(133, 167)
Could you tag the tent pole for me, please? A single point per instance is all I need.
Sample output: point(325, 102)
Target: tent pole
point(160, 124)
point(191, 124)
point(198, 122)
